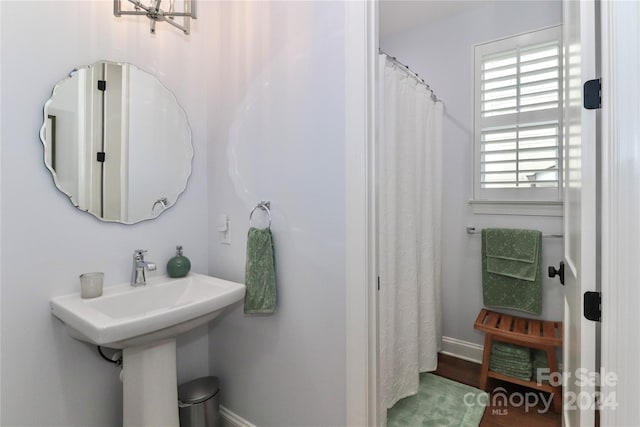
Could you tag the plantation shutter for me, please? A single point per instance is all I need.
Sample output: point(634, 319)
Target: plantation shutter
point(518, 116)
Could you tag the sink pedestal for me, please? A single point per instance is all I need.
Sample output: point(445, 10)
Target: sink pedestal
point(144, 321)
point(150, 389)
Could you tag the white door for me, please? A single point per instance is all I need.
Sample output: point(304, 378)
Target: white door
point(580, 212)
point(114, 118)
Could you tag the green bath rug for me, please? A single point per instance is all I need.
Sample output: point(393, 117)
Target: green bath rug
point(439, 403)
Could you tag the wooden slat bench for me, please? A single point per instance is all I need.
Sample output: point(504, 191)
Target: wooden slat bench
point(539, 334)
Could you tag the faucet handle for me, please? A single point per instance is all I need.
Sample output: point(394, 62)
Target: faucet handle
point(138, 254)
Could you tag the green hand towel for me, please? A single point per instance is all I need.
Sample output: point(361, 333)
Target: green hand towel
point(513, 252)
point(516, 352)
point(524, 364)
point(512, 364)
point(540, 358)
point(524, 376)
point(260, 275)
point(502, 291)
point(509, 359)
point(526, 370)
point(539, 362)
point(512, 360)
point(518, 365)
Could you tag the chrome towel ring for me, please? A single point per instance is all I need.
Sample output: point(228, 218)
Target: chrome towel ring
point(266, 207)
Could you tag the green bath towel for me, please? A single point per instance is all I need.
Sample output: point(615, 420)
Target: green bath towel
point(260, 274)
point(504, 290)
point(513, 252)
point(512, 244)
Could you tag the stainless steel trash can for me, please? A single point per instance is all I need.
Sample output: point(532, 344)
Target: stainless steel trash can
point(199, 403)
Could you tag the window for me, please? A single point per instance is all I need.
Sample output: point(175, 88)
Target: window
point(518, 119)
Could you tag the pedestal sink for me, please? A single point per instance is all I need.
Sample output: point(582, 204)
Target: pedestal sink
point(144, 322)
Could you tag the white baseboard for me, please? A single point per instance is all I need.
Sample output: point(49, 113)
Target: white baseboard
point(450, 346)
point(231, 419)
point(462, 349)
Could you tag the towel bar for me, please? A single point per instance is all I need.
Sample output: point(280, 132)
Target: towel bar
point(472, 230)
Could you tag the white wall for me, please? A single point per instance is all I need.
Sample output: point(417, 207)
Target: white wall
point(66, 150)
point(49, 378)
point(278, 135)
point(442, 53)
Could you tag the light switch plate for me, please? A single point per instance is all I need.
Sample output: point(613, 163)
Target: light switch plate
point(225, 236)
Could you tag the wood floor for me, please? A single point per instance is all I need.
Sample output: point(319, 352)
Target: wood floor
point(500, 415)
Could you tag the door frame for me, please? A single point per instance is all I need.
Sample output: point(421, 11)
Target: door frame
point(360, 56)
point(619, 209)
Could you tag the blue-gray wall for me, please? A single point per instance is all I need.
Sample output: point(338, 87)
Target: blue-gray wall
point(279, 135)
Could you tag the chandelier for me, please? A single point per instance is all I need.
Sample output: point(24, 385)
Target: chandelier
point(153, 11)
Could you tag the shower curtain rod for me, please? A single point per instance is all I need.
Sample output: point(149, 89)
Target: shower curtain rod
point(413, 74)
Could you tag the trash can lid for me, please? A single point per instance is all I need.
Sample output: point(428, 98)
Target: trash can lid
point(198, 390)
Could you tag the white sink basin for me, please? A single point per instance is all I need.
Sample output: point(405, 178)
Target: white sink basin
point(125, 316)
point(144, 322)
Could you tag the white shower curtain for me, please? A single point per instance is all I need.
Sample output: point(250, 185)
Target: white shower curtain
point(410, 222)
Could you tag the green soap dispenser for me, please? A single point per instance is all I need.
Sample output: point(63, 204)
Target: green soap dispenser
point(179, 265)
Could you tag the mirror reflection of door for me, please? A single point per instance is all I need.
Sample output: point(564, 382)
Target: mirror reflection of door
point(115, 142)
point(90, 120)
point(50, 156)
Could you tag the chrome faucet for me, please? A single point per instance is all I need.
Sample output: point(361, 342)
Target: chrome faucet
point(138, 277)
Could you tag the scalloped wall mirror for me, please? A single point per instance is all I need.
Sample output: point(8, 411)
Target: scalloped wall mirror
point(116, 142)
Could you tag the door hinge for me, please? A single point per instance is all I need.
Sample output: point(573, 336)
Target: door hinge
point(102, 85)
point(378, 282)
point(592, 306)
point(592, 95)
point(101, 156)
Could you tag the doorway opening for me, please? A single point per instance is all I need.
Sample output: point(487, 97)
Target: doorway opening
point(439, 40)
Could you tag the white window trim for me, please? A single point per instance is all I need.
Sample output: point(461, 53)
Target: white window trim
point(507, 207)
point(522, 202)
